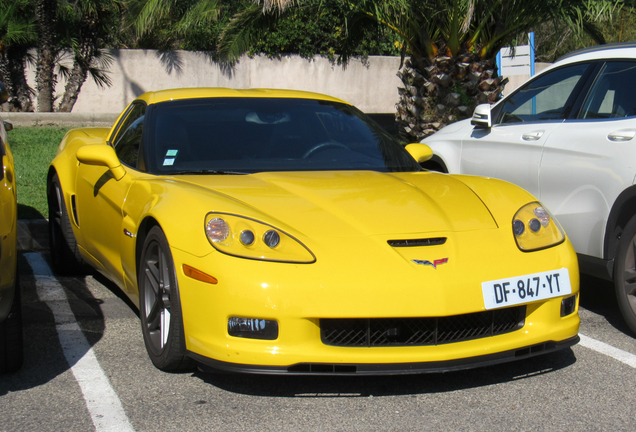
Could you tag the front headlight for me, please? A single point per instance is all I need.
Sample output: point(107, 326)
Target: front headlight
point(534, 228)
point(248, 238)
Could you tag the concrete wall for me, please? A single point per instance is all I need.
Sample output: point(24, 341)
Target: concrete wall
point(515, 81)
point(370, 85)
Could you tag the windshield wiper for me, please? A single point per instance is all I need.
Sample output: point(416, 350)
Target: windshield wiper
point(208, 171)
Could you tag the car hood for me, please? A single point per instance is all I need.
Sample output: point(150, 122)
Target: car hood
point(350, 203)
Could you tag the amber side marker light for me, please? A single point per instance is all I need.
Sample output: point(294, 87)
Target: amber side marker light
point(199, 275)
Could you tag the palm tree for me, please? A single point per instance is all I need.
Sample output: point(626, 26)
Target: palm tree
point(166, 21)
point(46, 24)
point(87, 27)
point(448, 47)
point(54, 28)
point(17, 35)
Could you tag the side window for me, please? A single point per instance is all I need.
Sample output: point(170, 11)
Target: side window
point(128, 137)
point(549, 97)
point(613, 94)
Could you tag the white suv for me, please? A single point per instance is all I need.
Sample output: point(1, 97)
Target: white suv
point(567, 135)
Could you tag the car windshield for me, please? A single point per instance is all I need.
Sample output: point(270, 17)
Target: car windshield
point(249, 135)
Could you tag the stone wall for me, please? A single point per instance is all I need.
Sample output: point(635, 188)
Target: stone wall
point(370, 84)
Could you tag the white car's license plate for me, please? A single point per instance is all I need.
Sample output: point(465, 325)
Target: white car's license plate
point(526, 289)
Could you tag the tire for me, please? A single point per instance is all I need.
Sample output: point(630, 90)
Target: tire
point(11, 344)
point(65, 257)
point(625, 275)
point(160, 306)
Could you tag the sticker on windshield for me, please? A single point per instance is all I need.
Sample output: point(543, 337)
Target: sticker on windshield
point(171, 155)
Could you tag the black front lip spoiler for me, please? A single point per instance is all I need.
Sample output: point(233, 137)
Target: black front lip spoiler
point(210, 365)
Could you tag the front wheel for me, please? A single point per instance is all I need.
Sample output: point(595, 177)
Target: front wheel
point(625, 275)
point(65, 255)
point(160, 306)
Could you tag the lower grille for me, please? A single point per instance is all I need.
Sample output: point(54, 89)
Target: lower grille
point(374, 332)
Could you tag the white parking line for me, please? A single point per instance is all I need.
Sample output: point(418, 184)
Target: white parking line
point(603, 348)
point(102, 402)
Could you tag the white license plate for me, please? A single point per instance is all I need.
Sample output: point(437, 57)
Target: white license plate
point(526, 289)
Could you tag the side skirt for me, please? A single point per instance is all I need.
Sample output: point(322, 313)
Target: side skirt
point(597, 267)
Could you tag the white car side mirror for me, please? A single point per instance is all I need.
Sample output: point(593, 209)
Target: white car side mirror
point(481, 116)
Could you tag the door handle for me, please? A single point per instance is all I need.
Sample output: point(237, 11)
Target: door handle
point(532, 136)
point(622, 135)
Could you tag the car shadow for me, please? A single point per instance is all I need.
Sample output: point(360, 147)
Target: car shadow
point(598, 296)
point(44, 358)
point(316, 386)
point(28, 212)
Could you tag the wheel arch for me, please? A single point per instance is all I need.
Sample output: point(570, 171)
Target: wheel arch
point(144, 228)
point(49, 178)
point(623, 209)
point(446, 153)
point(435, 163)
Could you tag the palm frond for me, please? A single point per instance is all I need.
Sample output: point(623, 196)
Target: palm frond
point(151, 13)
point(203, 12)
point(279, 5)
point(242, 32)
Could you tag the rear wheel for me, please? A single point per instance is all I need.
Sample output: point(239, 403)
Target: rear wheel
point(65, 256)
point(625, 275)
point(160, 306)
point(11, 351)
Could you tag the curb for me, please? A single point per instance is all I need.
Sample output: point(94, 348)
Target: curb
point(59, 119)
point(33, 235)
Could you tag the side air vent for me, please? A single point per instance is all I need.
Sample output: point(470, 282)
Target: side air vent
point(418, 242)
point(74, 210)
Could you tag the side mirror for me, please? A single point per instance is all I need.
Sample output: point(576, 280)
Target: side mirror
point(4, 94)
point(481, 116)
point(420, 152)
point(101, 155)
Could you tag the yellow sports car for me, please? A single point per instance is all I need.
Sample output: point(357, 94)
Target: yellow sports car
point(273, 231)
point(10, 306)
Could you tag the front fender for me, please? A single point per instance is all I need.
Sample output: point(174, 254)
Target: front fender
point(503, 199)
point(180, 209)
point(65, 163)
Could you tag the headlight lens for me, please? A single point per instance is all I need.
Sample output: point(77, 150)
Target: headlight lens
point(248, 238)
point(271, 239)
point(217, 230)
point(534, 228)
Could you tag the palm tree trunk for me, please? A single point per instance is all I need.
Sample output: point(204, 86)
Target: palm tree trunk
point(22, 93)
point(12, 74)
point(76, 79)
point(443, 90)
point(82, 59)
point(46, 17)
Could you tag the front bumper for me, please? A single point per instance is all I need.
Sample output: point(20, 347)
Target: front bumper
point(367, 283)
point(211, 365)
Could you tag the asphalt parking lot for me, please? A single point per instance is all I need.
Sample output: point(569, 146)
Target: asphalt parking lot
point(86, 369)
